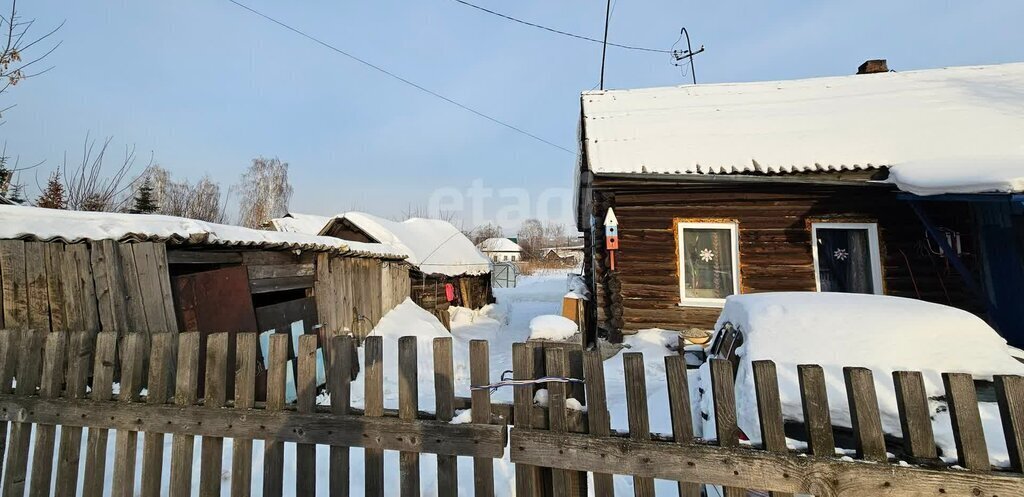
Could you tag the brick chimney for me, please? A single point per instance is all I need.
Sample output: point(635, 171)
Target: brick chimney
point(873, 66)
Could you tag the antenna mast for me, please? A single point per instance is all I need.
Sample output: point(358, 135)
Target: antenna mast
point(604, 46)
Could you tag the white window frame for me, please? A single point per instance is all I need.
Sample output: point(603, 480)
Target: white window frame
point(873, 248)
point(734, 236)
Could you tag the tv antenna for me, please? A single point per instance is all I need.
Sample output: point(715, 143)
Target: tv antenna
point(679, 56)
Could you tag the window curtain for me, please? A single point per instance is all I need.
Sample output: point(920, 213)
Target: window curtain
point(844, 260)
point(709, 265)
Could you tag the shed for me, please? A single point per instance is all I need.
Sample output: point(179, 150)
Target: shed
point(796, 185)
point(439, 255)
point(501, 249)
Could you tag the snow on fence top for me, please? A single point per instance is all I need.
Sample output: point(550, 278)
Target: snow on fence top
point(433, 245)
point(293, 222)
point(34, 223)
point(499, 245)
point(820, 124)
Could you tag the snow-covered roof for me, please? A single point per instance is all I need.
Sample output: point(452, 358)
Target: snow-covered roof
point(35, 223)
point(294, 222)
point(960, 175)
point(882, 333)
point(499, 245)
point(433, 245)
point(820, 124)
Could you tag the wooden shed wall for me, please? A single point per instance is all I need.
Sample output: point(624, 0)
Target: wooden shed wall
point(428, 290)
point(353, 294)
point(775, 245)
point(99, 286)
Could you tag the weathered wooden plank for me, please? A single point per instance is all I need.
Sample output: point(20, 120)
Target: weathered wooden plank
point(915, 416)
point(49, 387)
point(679, 407)
point(280, 271)
point(339, 379)
point(15, 286)
point(305, 384)
point(867, 422)
point(82, 261)
point(161, 370)
point(636, 406)
point(408, 404)
point(527, 476)
point(186, 388)
point(134, 304)
point(723, 392)
point(479, 374)
point(556, 362)
point(444, 410)
point(972, 451)
point(102, 389)
point(281, 284)
point(68, 455)
point(598, 417)
point(38, 291)
point(180, 256)
point(126, 438)
point(10, 345)
point(769, 410)
point(150, 292)
point(817, 418)
point(55, 278)
point(214, 397)
point(269, 257)
point(1010, 397)
point(163, 277)
point(373, 350)
point(109, 289)
point(273, 451)
point(247, 347)
point(29, 365)
point(744, 467)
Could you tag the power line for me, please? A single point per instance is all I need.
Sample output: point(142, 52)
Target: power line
point(399, 78)
point(563, 33)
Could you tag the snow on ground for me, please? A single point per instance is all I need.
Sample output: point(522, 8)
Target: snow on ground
point(552, 327)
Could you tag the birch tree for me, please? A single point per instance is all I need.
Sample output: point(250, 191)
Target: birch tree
point(263, 192)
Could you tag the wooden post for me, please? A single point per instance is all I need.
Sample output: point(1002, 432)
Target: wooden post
point(867, 422)
point(247, 346)
point(679, 407)
point(373, 351)
point(598, 418)
point(273, 451)
point(817, 418)
point(215, 396)
point(724, 394)
point(479, 374)
point(186, 388)
point(49, 387)
point(444, 409)
point(769, 410)
point(339, 378)
point(915, 416)
point(305, 454)
point(21, 432)
point(79, 354)
point(972, 451)
point(1010, 395)
point(636, 404)
point(408, 405)
point(161, 369)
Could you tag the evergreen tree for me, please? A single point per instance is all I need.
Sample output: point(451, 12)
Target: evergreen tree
point(17, 194)
point(144, 203)
point(53, 196)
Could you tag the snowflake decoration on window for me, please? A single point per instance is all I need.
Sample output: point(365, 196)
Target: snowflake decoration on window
point(707, 255)
point(841, 254)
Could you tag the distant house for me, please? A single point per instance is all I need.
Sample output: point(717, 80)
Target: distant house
point(501, 249)
point(293, 222)
point(898, 183)
point(572, 255)
point(446, 267)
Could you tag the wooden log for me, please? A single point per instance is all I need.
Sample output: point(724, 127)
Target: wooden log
point(408, 405)
point(305, 454)
point(273, 451)
point(444, 409)
point(126, 439)
point(68, 455)
point(638, 420)
point(598, 417)
point(20, 434)
point(373, 351)
point(186, 388)
point(679, 408)
point(246, 350)
point(972, 451)
point(339, 380)
point(915, 416)
point(769, 410)
point(49, 387)
point(161, 370)
point(102, 388)
point(817, 418)
point(1010, 397)
point(745, 467)
point(479, 374)
point(527, 477)
point(867, 422)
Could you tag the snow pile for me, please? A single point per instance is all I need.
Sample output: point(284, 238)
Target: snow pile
point(552, 327)
point(75, 226)
point(984, 174)
point(433, 245)
point(293, 222)
point(882, 333)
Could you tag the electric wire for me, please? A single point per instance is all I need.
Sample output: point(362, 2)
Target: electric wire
point(399, 78)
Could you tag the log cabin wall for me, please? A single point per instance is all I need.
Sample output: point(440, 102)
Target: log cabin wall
point(775, 251)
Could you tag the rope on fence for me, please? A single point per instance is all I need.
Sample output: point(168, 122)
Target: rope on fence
point(508, 383)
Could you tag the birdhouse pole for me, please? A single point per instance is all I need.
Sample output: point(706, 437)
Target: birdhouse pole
point(611, 236)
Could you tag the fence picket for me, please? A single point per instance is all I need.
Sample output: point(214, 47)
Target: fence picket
point(305, 454)
point(1010, 396)
point(161, 367)
point(9, 353)
point(246, 347)
point(866, 420)
point(126, 441)
point(724, 394)
point(273, 451)
point(102, 387)
point(527, 477)
point(186, 388)
point(598, 418)
point(972, 451)
point(480, 374)
point(408, 405)
point(769, 410)
point(49, 387)
point(679, 408)
point(373, 350)
point(339, 379)
point(21, 432)
point(915, 416)
point(817, 418)
point(444, 410)
point(211, 454)
point(68, 455)
point(636, 404)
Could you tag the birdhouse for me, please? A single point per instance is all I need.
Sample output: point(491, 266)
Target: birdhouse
point(611, 231)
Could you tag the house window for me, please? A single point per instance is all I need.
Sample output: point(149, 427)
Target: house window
point(506, 257)
point(495, 258)
point(708, 263)
point(846, 257)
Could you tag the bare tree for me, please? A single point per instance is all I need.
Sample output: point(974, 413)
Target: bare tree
point(554, 234)
point(264, 192)
point(531, 238)
point(485, 231)
point(15, 65)
point(183, 199)
point(89, 188)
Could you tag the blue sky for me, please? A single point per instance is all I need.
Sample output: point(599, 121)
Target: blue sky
point(206, 86)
